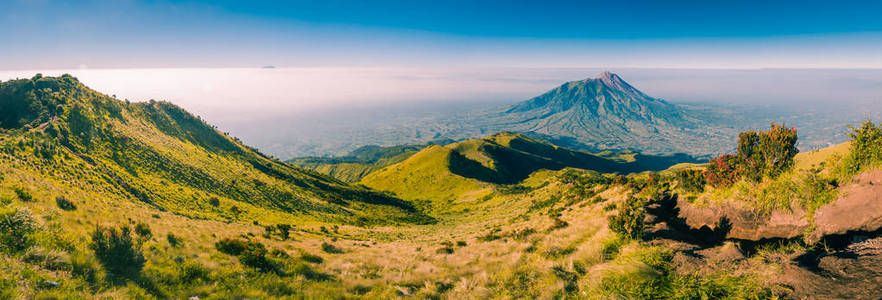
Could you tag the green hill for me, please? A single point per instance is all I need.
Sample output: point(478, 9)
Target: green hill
point(445, 173)
point(362, 161)
point(157, 154)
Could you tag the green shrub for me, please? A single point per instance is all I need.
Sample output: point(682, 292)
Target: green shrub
point(865, 150)
point(23, 194)
point(284, 231)
point(331, 248)
point(143, 231)
point(65, 204)
point(691, 180)
point(250, 253)
point(16, 229)
point(117, 251)
point(254, 255)
point(311, 258)
point(231, 246)
point(629, 220)
point(174, 240)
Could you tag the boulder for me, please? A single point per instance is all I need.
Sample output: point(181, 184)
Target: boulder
point(858, 209)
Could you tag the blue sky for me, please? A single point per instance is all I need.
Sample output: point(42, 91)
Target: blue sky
point(43, 34)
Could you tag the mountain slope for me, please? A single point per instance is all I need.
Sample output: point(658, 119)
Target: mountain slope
point(162, 156)
point(362, 161)
point(468, 169)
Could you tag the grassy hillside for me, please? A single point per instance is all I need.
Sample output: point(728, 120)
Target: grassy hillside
point(360, 162)
point(159, 155)
point(471, 168)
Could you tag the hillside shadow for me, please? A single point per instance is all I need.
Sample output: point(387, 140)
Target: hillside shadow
point(643, 162)
point(666, 210)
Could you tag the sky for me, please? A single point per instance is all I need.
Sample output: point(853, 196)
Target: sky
point(334, 59)
point(47, 34)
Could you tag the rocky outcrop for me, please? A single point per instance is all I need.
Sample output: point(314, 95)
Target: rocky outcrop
point(743, 223)
point(859, 209)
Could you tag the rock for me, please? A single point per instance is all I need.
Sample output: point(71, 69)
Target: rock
point(858, 209)
point(727, 252)
point(51, 284)
point(743, 223)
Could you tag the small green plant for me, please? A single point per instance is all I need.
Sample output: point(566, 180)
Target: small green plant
point(16, 229)
point(691, 180)
point(311, 258)
point(230, 246)
point(117, 251)
point(214, 202)
point(143, 231)
point(23, 194)
point(65, 204)
point(250, 253)
point(174, 240)
point(865, 149)
point(329, 248)
point(629, 220)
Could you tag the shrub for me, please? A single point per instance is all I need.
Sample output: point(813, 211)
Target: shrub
point(865, 150)
point(284, 231)
point(174, 240)
point(331, 248)
point(629, 220)
point(254, 255)
point(143, 230)
point(65, 204)
point(722, 171)
point(766, 153)
point(23, 194)
point(691, 180)
point(311, 258)
point(250, 253)
point(16, 229)
point(214, 202)
point(117, 251)
point(230, 246)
